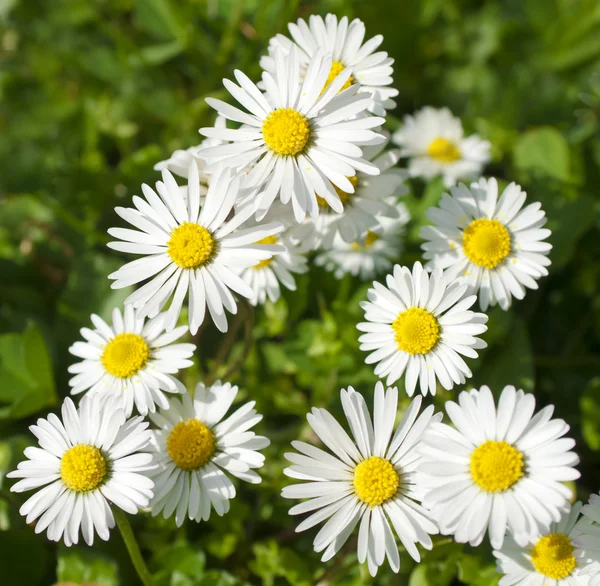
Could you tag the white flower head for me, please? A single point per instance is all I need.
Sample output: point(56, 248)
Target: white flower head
point(420, 324)
point(300, 141)
point(501, 468)
point(86, 462)
point(194, 447)
point(189, 248)
point(494, 244)
point(133, 360)
point(588, 541)
point(435, 143)
point(368, 478)
point(345, 41)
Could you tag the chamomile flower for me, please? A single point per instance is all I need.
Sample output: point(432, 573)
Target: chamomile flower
point(373, 254)
point(301, 141)
point(86, 462)
point(345, 42)
point(494, 244)
point(186, 247)
point(367, 479)
point(420, 324)
point(501, 468)
point(435, 143)
point(194, 447)
point(133, 360)
point(552, 559)
point(588, 541)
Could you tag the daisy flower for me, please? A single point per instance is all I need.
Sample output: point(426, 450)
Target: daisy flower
point(434, 141)
point(301, 141)
point(421, 324)
point(367, 479)
point(588, 541)
point(194, 446)
point(345, 42)
point(495, 245)
point(85, 463)
point(552, 559)
point(189, 248)
point(133, 360)
point(373, 254)
point(501, 468)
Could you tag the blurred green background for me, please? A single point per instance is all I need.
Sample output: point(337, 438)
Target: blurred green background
point(94, 93)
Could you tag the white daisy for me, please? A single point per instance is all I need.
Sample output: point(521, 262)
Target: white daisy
point(370, 478)
point(588, 541)
point(373, 254)
point(495, 245)
point(501, 468)
point(434, 141)
point(302, 141)
point(193, 447)
point(131, 360)
point(186, 247)
point(420, 324)
point(86, 462)
point(552, 559)
point(344, 41)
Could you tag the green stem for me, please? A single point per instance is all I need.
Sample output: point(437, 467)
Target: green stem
point(132, 547)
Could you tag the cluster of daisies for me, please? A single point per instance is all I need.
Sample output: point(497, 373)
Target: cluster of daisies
point(298, 167)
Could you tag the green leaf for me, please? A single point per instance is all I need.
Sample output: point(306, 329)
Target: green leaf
point(86, 567)
point(590, 414)
point(158, 18)
point(543, 151)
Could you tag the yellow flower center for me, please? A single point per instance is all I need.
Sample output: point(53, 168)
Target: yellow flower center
point(125, 355)
point(443, 150)
point(486, 242)
point(83, 468)
point(375, 481)
point(190, 444)
point(191, 246)
point(343, 195)
point(370, 239)
point(266, 262)
point(336, 68)
point(496, 466)
point(553, 556)
point(286, 132)
point(417, 331)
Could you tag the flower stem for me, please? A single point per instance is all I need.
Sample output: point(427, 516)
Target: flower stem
point(132, 547)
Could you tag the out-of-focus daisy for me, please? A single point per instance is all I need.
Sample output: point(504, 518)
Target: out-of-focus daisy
point(345, 42)
point(434, 141)
point(421, 324)
point(302, 141)
point(501, 468)
point(373, 254)
point(194, 446)
point(369, 478)
point(495, 245)
point(588, 541)
point(188, 248)
point(132, 360)
point(552, 559)
point(85, 463)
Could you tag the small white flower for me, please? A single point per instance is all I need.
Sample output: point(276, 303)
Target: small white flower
point(588, 541)
point(493, 244)
point(421, 324)
point(368, 478)
point(132, 360)
point(86, 462)
point(501, 468)
point(186, 247)
point(193, 447)
point(345, 42)
point(434, 141)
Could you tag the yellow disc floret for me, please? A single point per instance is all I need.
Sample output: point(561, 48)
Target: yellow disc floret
point(286, 132)
point(83, 468)
point(125, 355)
point(343, 195)
point(336, 68)
point(191, 444)
point(191, 246)
point(553, 556)
point(443, 150)
point(496, 466)
point(267, 261)
point(375, 481)
point(486, 242)
point(417, 331)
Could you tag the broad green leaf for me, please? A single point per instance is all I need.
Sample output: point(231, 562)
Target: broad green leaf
point(86, 567)
point(543, 152)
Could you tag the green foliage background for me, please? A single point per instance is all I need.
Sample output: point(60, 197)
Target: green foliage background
point(93, 93)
